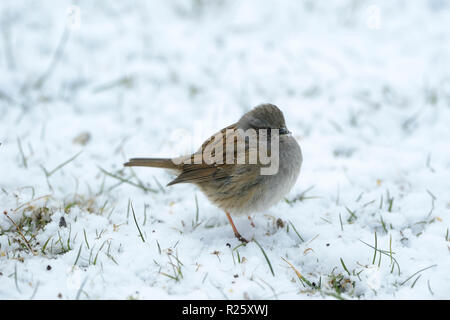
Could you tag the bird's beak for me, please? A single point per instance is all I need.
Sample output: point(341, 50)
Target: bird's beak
point(284, 131)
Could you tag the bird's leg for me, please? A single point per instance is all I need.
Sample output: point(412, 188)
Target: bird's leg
point(236, 233)
point(251, 221)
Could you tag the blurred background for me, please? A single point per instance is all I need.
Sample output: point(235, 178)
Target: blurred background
point(119, 71)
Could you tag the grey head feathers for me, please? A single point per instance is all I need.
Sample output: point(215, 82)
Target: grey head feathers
point(264, 116)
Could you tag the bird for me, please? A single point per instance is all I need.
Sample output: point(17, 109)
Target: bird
point(244, 168)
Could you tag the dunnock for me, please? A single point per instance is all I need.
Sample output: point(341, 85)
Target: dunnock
point(232, 175)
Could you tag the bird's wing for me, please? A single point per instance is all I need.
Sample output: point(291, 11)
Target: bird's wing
point(196, 170)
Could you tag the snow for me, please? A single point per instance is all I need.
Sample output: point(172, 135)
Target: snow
point(364, 86)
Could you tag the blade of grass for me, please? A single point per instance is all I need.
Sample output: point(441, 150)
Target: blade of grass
point(352, 215)
point(85, 239)
point(159, 185)
point(340, 220)
point(409, 278)
point(137, 225)
point(20, 233)
point(345, 268)
point(45, 245)
point(265, 256)
point(24, 159)
point(62, 164)
point(15, 278)
point(81, 288)
point(35, 291)
point(146, 189)
point(55, 59)
point(414, 283)
point(78, 255)
point(301, 197)
point(385, 253)
point(196, 209)
point(375, 251)
point(295, 230)
point(159, 247)
point(299, 275)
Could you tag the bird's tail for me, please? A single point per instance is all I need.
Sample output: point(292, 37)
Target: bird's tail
point(166, 163)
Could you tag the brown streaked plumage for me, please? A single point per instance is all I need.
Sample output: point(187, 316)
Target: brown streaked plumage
point(233, 187)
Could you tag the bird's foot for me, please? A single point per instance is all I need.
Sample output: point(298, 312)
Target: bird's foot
point(236, 233)
point(241, 238)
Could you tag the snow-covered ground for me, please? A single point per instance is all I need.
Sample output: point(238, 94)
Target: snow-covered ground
point(364, 86)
